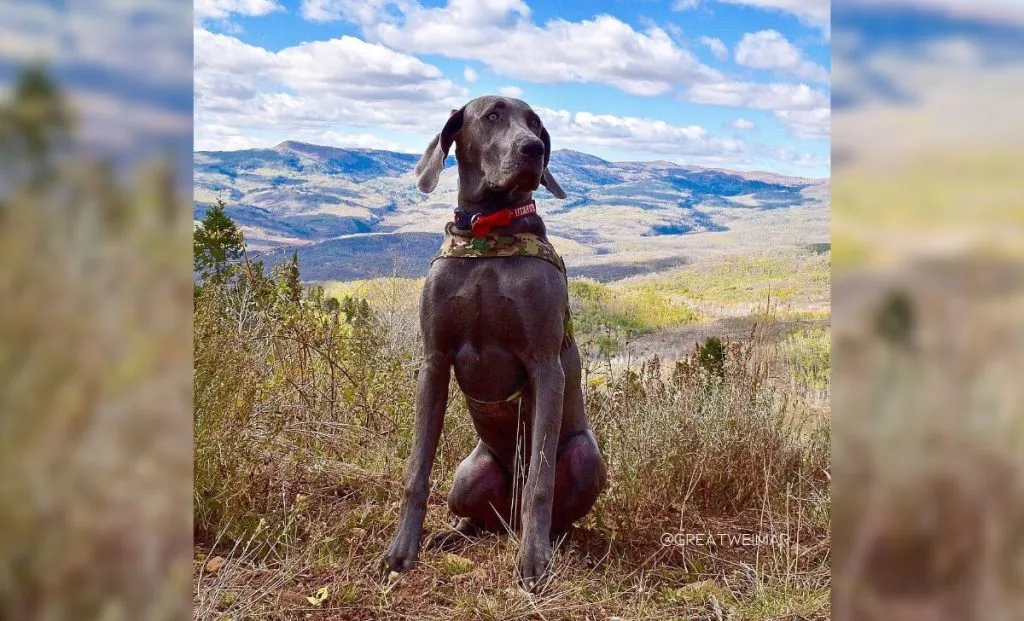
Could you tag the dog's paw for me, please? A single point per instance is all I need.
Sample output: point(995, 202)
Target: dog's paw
point(402, 554)
point(534, 566)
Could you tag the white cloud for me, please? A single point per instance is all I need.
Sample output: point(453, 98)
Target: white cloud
point(601, 50)
point(332, 92)
point(317, 85)
point(247, 96)
point(810, 124)
point(216, 137)
point(511, 91)
point(769, 50)
point(717, 47)
point(104, 34)
point(142, 49)
point(636, 135)
point(685, 5)
point(223, 9)
point(470, 12)
point(817, 13)
point(360, 141)
point(111, 123)
point(328, 10)
point(27, 31)
point(759, 96)
point(796, 158)
point(805, 111)
point(742, 125)
point(959, 102)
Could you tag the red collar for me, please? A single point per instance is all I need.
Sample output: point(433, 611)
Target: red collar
point(482, 224)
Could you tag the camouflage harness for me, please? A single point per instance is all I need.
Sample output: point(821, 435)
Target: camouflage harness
point(461, 244)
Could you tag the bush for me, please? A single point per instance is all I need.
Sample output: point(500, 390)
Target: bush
point(282, 387)
point(711, 356)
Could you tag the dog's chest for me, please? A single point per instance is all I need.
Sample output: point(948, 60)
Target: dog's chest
point(486, 338)
point(492, 314)
point(487, 311)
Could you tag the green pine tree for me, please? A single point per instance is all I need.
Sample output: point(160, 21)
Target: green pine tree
point(293, 282)
point(349, 307)
point(217, 244)
point(289, 287)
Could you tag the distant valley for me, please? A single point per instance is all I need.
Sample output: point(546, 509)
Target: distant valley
point(356, 213)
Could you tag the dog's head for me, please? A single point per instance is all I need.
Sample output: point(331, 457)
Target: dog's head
point(501, 146)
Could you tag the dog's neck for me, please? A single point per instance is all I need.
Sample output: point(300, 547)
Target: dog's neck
point(494, 200)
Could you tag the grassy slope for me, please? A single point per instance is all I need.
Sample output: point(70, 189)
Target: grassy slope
point(795, 281)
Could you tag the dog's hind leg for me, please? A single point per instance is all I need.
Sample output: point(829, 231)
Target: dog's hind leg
point(480, 495)
point(579, 478)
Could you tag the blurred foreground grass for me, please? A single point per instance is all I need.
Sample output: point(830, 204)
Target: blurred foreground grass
point(928, 441)
point(95, 455)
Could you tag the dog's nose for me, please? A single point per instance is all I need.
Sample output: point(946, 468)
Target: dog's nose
point(532, 148)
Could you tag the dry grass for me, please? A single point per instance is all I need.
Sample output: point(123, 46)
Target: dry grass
point(303, 425)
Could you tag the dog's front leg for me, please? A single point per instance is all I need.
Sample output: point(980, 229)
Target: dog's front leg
point(538, 494)
point(431, 401)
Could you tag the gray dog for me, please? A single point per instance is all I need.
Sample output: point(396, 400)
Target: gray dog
point(500, 322)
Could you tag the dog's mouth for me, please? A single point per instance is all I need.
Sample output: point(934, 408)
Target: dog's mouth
point(520, 174)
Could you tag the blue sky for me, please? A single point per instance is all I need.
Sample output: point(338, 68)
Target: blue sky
point(740, 84)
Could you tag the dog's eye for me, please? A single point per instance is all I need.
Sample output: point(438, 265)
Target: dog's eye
point(492, 116)
point(534, 123)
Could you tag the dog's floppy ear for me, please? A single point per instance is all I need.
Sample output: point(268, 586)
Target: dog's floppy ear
point(547, 179)
point(429, 168)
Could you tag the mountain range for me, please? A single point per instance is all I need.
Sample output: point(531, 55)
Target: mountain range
point(356, 213)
